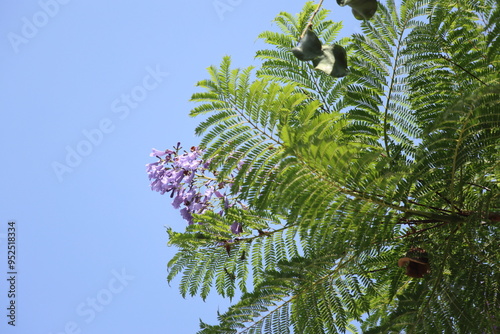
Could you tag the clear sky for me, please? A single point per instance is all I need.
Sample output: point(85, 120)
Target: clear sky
point(87, 88)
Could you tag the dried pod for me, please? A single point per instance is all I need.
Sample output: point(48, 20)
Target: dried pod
point(309, 47)
point(333, 61)
point(361, 9)
point(416, 263)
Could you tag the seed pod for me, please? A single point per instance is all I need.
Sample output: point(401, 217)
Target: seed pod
point(333, 61)
point(309, 47)
point(416, 263)
point(361, 9)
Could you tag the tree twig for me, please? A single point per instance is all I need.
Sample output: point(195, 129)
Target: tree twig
point(309, 23)
point(449, 202)
point(412, 221)
point(430, 207)
point(463, 69)
point(420, 231)
point(478, 185)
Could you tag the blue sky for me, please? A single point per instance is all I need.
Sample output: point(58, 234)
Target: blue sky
point(87, 88)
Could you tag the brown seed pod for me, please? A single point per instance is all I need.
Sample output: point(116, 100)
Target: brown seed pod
point(416, 262)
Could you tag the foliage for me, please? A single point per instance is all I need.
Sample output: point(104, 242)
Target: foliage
point(332, 180)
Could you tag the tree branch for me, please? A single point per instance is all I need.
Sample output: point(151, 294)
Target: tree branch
point(309, 23)
point(463, 69)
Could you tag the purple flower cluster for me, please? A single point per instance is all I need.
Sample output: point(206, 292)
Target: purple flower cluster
point(184, 176)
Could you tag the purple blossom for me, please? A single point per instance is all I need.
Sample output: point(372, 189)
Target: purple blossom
point(154, 170)
point(158, 175)
point(188, 161)
point(187, 215)
point(209, 192)
point(189, 195)
point(236, 228)
point(190, 177)
point(157, 153)
point(196, 207)
point(158, 186)
point(180, 174)
point(206, 164)
point(179, 199)
point(177, 175)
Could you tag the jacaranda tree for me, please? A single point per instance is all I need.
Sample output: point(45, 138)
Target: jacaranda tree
point(350, 183)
